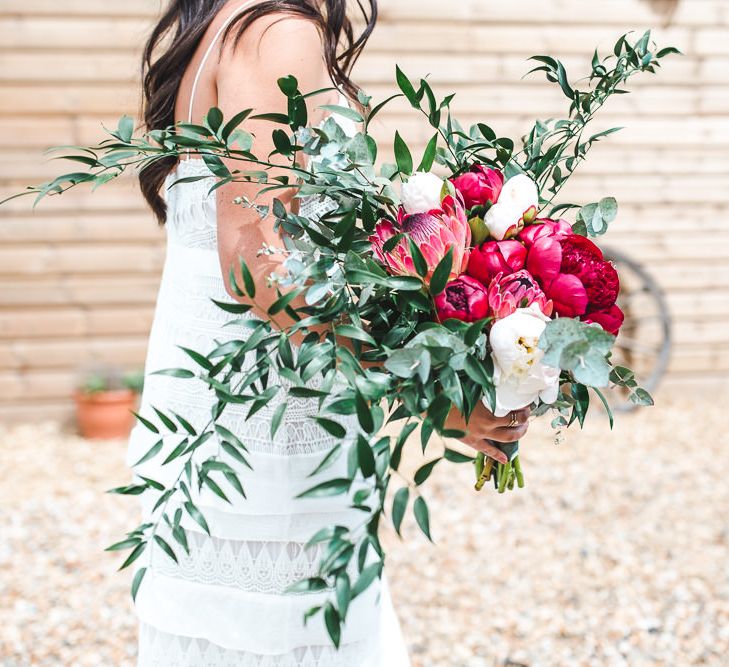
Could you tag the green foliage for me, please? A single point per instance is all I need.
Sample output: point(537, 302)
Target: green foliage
point(370, 339)
point(579, 348)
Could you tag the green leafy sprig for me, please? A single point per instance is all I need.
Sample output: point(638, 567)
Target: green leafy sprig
point(371, 351)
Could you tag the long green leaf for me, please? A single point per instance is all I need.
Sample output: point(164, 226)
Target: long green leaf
point(422, 516)
point(146, 423)
point(277, 417)
point(363, 413)
point(424, 471)
point(399, 506)
point(346, 112)
point(332, 455)
point(166, 420)
point(151, 453)
point(182, 373)
point(333, 623)
point(407, 88)
point(137, 581)
point(197, 516)
point(368, 575)
point(421, 266)
point(403, 157)
point(350, 331)
point(136, 553)
point(124, 544)
point(456, 457)
point(365, 457)
point(426, 163)
point(332, 487)
point(441, 274)
point(331, 427)
point(165, 547)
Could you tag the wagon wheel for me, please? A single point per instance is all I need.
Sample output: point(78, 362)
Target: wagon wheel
point(644, 343)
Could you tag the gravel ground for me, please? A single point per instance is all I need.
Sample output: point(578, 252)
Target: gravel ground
point(614, 554)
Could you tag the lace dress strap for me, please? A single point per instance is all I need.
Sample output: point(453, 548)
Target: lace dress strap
point(209, 50)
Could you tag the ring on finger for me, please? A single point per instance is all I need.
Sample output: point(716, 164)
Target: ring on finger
point(513, 420)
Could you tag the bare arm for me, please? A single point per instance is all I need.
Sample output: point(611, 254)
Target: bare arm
point(273, 47)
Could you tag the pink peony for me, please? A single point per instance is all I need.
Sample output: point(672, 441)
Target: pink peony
point(517, 290)
point(463, 299)
point(494, 257)
point(434, 232)
point(480, 186)
point(544, 227)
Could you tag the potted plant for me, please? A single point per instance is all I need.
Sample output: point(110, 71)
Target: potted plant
point(104, 403)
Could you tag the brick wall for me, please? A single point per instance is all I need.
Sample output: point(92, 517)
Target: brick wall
point(78, 276)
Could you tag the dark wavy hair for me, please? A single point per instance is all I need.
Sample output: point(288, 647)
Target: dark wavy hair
point(179, 32)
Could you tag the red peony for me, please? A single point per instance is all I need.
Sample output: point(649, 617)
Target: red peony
point(573, 273)
point(463, 299)
point(610, 319)
point(494, 257)
point(582, 258)
point(480, 186)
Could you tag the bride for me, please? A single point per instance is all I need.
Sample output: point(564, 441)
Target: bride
point(225, 602)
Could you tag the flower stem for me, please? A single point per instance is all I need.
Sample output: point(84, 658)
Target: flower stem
point(518, 472)
point(504, 474)
point(484, 468)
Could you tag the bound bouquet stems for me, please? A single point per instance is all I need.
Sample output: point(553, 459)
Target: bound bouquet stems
point(504, 475)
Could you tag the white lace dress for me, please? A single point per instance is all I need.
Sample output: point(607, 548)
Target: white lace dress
point(225, 604)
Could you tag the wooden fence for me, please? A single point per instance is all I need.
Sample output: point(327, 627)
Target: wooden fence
point(78, 276)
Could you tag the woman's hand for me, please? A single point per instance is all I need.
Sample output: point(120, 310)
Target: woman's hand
point(483, 426)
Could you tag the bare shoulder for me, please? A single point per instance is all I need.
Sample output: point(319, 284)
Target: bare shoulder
point(274, 46)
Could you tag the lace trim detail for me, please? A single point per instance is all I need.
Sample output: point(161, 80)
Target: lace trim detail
point(159, 649)
point(191, 206)
point(314, 207)
point(256, 567)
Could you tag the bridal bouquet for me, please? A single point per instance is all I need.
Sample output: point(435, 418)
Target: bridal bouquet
point(439, 286)
point(488, 260)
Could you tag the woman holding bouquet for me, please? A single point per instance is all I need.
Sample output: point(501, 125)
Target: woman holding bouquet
point(224, 601)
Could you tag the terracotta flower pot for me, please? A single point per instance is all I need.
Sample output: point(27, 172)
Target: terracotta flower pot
point(103, 415)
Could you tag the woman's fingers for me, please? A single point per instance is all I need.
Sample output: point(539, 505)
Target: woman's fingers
point(506, 432)
point(488, 427)
point(520, 416)
point(510, 434)
point(491, 450)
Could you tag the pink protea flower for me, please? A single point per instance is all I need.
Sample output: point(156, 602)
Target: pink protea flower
point(516, 290)
point(463, 299)
point(434, 232)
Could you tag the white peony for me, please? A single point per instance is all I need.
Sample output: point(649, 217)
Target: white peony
point(517, 196)
point(519, 375)
point(421, 193)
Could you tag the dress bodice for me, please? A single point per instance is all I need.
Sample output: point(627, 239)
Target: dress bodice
point(191, 209)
